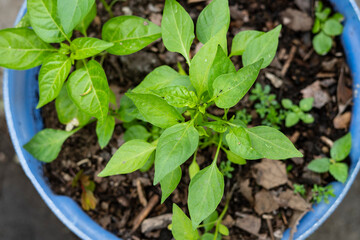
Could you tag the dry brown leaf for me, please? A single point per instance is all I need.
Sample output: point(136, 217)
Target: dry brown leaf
point(320, 96)
point(156, 223)
point(246, 191)
point(342, 121)
point(343, 93)
point(289, 199)
point(265, 202)
point(294, 221)
point(296, 20)
point(249, 223)
point(270, 173)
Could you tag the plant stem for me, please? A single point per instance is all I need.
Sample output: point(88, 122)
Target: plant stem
point(218, 149)
point(107, 8)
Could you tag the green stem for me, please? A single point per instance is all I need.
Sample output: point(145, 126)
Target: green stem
point(218, 149)
point(107, 8)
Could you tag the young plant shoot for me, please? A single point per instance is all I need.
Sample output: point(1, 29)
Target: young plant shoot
point(179, 104)
point(297, 113)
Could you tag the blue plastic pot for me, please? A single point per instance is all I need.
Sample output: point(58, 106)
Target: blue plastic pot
point(21, 96)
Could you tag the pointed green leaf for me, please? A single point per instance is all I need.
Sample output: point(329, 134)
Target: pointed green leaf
point(339, 171)
point(223, 230)
point(177, 29)
point(209, 222)
point(46, 145)
point(130, 157)
point(129, 34)
point(87, 47)
point(206, 190)
point(319, 165)
point(72, 12)
point(178, 96)
point(217, 126)
point(53, 73)
point(169, 183)
point(155, 110)
point(232, 157)
point(242, 40)
point(24, 22)
point(89, 90)
point(176, 145)
point(212, 19)
point(21, 49)
point(105, 130)
point(181, 226)
point(271, 143)
point(262, 47)
point(240, 144)
point(136, 132)
point(45, 21)
point(194, 168)
point(341, 148)
point(230, 88)
point(85, 23)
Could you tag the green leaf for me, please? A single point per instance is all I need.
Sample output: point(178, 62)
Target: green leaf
point(262, 47)
point(87, 47)
point(202, 63)
point(323, 15)
point(319, 165)
point(53, 73)
point(155, 110)
point(178, 96)
point(306, 104)
point(221, 65)
point(291, 119)
point(44, 20)
point(24, 22)
point(230, 88)
point(322, 43)
point(212, 19)
point(210, 236)
point(105, 130)
point(338, 17)
point(217, 126)
point(136, 132)
point(206, 190)
point(181, 226)
point(89, 90)
point(21, 49)
point(209, 222)
point(333, 27)
point(317, 26)
point(271, 143)
point(130, 157)
point(223, 230)
point(176, 145)
point(287, 103)
point(177, 29)
point(169, 183)
point(129, 34)
point(341, 148)
point(87, 20)
point(149, 163)
point(72, 12)
point(232, 157)
point(307, 118)
point(339, 171)
point(162, 77)
point(240, 144)
point(127, 111)
point(242, 40)
point(67, 111)
point(194, 168)
point(46, 145)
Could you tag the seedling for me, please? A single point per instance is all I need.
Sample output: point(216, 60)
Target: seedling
point(267, 107)
point(88, 200)
point(226, 169)
point(300, 189)
point(325, 28)
point(243, 116)
point(320, 194)
point(179, 104)
point(334, 165)
point(44, 37)
point(296, 113)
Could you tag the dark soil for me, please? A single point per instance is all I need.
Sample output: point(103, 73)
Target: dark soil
point(118, 201)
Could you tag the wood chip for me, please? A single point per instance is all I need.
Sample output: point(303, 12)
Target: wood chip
point(327, 141)
point(270, 173)
point(342, 121)
point(141, 193)
point(295, 137)
point(265, 202)
point(156, 223)
point(296, 20)
point(249, 223)
point(275, 81)
point(228, 221)
point(320, 96)
point(288, 61)
point(145, 212)
point(343, 93)
point(246, 190)
point(288, 199)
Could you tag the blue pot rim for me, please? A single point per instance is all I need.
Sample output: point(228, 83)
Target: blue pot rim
point(84, 227)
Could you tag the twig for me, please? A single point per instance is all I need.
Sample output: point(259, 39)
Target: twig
point(141, 193)
point(288, 61)
point(145, 212)
point(268, 223)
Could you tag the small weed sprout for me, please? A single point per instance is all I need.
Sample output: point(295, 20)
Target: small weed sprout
point(296, 113)
point(320, 194)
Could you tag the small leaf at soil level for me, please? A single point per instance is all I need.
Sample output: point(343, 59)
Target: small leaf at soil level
point(85, 23)
point(53, 73)
point(87, 47)
point(136, 132)
point(194, 168)
point(232, 157)
point(176, 145)
point(177, 29)
point(89, 90)
point(262, 47)
point(212, 19)
point(181, 226)
point(155, 110)
point(341, 148)
point(21, 49)
point(240, 144)
point(72, 12)
point(230, 88)
point(333, 27)
point(322, 43)
point(129, 34)
point(202, 63)
point(206, 190)
point(45, 21)
point(291, 119)
point(339, 171)
point(210, 236)
point(223, 230)
point(128, 158)
point(169, 183)
point(46, 145)
point(104, 130)
point(320, 165)
point(242, 40)
point(306, 104)
point(178, 96)
point(271, 143)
